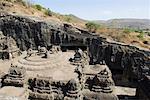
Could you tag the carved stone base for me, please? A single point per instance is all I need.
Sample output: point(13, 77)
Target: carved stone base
point(36, 95)
point(14, 82)
point(107, 90)
point(96, 89)
point(73, 94)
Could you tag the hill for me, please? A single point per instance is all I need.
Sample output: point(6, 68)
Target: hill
point(126, 23)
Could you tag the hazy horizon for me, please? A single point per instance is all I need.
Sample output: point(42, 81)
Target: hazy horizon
point(100, 9)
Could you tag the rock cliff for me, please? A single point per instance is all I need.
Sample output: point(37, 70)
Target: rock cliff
point(29, 32)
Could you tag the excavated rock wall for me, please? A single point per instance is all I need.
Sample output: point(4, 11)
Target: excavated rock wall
point(123, 58)
point(32, 32)
point(23, 30)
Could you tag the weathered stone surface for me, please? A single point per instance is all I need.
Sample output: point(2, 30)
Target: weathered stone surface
point(15, 76)
point(28, 31)
point(8, 48)
point(143, 90)
point(31, 33)
point(118, 56)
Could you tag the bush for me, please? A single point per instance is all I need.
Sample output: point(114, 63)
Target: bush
point(92, 26)
point(38, 7)
point(126, 30)
point(129, 30)
point(68, 19)
point(48, 12)
point(141, 35)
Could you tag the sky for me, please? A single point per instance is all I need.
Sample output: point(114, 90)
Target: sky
point(100, 9)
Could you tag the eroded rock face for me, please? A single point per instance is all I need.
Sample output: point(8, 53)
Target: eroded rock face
point(118, 56)
point(23, 30)
point(28, 31)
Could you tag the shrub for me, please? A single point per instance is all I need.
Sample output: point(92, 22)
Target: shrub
point(68, 19)
point(92, 26)
point(127, 30)
point(38, 7)
point(48, 12)
point(141, 35)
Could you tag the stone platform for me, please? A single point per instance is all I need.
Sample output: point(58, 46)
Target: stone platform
point(57, 66)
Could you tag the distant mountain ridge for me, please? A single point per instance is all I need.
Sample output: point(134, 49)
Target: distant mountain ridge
point(125, 23)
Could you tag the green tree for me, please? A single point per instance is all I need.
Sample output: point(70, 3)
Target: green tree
point(92, 26)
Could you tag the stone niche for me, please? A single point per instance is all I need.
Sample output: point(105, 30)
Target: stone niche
point(15, 76)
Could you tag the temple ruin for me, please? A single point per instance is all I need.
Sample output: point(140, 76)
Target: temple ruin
point(62, 62)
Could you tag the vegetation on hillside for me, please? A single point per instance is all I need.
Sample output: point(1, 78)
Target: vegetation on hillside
point(128, 30)
point(48, 12)
point(92, 27)
point(38, 7)
point(141, 35)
